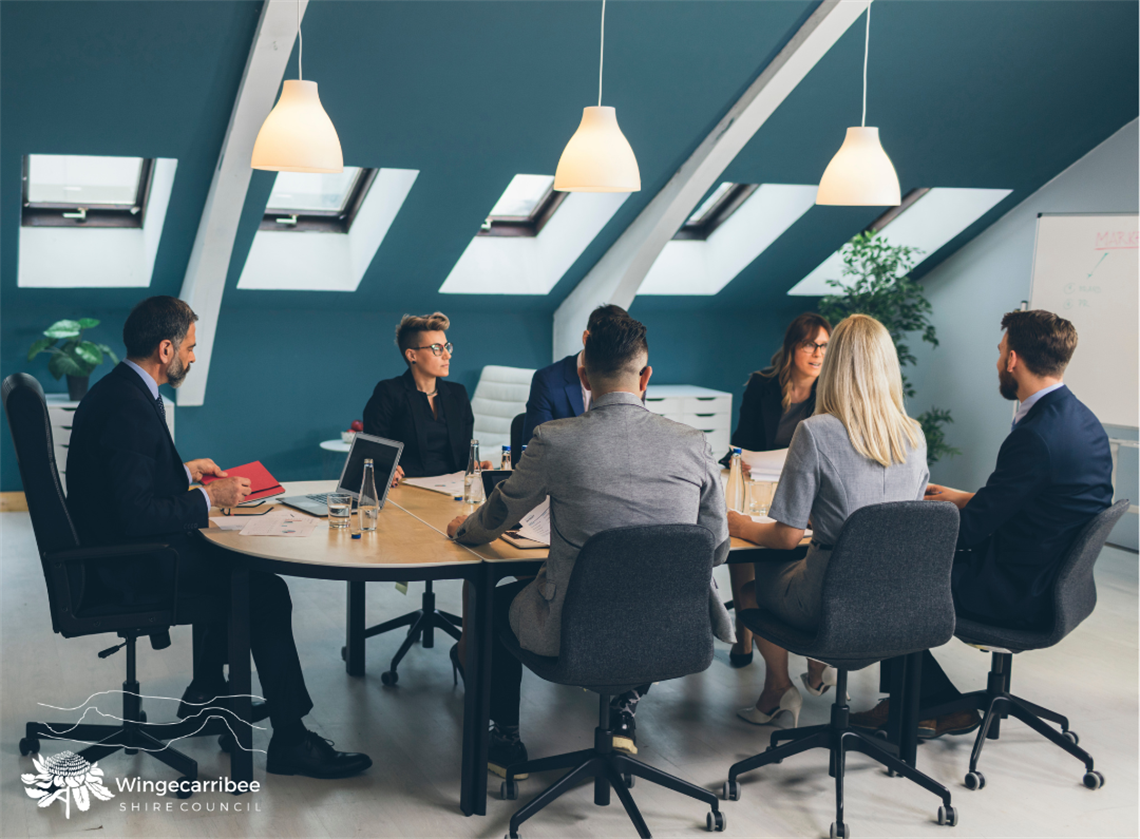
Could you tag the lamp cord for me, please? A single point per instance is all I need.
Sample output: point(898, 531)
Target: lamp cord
point(301, 47)
point(602, 53)
point(866, 49)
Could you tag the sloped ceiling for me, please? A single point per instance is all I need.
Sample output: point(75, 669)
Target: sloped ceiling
point(985, 94)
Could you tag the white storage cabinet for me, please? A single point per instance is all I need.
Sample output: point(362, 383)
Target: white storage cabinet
point(703, 408)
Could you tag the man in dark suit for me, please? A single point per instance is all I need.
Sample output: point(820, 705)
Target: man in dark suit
point(556, 392)
point(1053, 475)
point(126, 481)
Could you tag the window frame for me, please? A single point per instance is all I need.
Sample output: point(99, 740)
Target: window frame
point(531, 225)
point(893, 213)
point(718, 214)
point(323, 221)
point(51, 213)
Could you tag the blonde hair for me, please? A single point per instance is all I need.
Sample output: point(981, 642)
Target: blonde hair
point(411, 326)
point(861, 386)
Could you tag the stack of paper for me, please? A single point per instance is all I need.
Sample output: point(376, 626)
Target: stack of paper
point(536, 524)
point(766, 466)
point(451, 485)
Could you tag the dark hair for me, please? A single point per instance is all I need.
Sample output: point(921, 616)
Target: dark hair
point(408, 332)
point(1044, 341)
point(614, 347)
point(602, 312)
point(803, 328)
point(153, 321)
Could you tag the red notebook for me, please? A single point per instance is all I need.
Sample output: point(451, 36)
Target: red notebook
point(262, 484)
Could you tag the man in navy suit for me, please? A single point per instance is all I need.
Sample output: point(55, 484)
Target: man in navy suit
point(126, 481)
point(1053, 475)
point(556, 391)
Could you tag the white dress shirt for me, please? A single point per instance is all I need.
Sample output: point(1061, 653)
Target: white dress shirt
point(1023, 409)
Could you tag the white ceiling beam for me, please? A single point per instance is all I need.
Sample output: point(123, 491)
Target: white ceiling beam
point(205, 279)
point(618, 275)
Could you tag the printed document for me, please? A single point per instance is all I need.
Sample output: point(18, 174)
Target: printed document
point(536, 524)
point(766, 466)
point(446, 484)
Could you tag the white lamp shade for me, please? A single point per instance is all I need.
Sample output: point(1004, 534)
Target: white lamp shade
point(860, 174)
point(298, 135)
point(598, 157)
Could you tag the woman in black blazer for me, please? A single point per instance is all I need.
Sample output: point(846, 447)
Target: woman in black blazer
point(776, 399)
point(430, 416)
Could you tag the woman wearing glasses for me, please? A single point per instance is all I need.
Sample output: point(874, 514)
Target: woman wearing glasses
point(776, 400)
point(430, 416)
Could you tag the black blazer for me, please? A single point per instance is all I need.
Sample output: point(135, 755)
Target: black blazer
point(125, 479)
point(1053, 474)
point(760, 412)
point(398, 411)
point(555, 393)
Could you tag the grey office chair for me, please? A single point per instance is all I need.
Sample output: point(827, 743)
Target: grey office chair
point(886, 593)
point(1074, 597)
point(628, 584)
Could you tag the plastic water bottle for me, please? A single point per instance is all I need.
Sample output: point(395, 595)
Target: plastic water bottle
point(473, 480)
point(506, 463)
point(734, 489)
point(368, 506)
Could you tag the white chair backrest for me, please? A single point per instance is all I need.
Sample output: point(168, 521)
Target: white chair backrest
point(500, 395)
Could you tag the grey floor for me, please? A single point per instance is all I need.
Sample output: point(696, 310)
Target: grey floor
point(686, 727)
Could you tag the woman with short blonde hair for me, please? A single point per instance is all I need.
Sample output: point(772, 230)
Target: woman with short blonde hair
point(859, 448)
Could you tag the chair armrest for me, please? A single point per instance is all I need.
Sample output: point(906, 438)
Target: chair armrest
point(128, 551)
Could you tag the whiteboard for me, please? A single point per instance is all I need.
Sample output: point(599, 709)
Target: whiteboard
point(1086, 269)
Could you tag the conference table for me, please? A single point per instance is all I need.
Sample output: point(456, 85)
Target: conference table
point(410, 543)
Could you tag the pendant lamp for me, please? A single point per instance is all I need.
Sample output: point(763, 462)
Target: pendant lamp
point(598, 158)
point(860, 174)
point(298, 135)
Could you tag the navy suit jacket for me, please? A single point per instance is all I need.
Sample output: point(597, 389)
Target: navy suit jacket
point(1053, 474)
point(555, 393)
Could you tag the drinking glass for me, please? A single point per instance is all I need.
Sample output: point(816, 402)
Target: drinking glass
point(760, 496)
point(340, 510)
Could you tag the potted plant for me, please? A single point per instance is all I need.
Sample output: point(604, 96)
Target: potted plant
point(75, 358)
point(877, 283)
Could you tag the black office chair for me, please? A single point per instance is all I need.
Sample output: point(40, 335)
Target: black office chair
point(80, 606)
point(628, 583)
point(1074, 597)
point(516, 437)
point(886, 593)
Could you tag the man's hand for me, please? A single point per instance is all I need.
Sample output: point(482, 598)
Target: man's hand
point(486, 464)
point(227, 492)
point(736, 524)
point(937, 492)
point(203, 466)
point(399, 476)
point(454, 525)
point(745, 468)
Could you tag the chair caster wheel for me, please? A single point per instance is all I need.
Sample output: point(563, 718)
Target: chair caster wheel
point(975, 780)
point(29, 746)
point(227, 742)
point(142, 716)
point(184, 793)
point(840, 831)
point(509, 790)
point(344, 653)
point(773, 748)
point(389, 677)
point(1071, 736)
point(730, 791)
point(947, 815)
point(715, 821)
point(892, 773)
point(881, 733)
point(629, 780)
point(1093, 779)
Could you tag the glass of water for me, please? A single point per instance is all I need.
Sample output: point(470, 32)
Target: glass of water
point(340, 510)
point(760, 496)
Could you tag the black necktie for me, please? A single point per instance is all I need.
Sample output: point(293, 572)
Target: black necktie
point(161, 407)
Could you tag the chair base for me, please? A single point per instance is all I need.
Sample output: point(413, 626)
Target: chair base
point(609, 769)
point(996, 704)
point(838, 738)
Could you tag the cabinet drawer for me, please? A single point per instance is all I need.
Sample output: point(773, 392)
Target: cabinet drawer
point(708, 421)
point(60, 417)
point(60, 436)
point(707, 404)
point(60, 452)
point(665, 405)
point(718, 440)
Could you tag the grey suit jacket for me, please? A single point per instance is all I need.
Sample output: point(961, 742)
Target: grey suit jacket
point(617, 465)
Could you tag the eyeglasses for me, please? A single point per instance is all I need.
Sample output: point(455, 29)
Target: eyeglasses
point(811, 346)
point(437, 349)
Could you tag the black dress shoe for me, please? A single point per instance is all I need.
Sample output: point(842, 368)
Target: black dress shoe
point(196, 700)
point(314, 757)
point(456, 665)
point(624, 728)
point(503, 753)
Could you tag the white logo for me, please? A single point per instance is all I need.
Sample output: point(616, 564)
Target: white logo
point(70, 776)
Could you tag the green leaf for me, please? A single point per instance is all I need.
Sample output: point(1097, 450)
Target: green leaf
point(65, 365)
point(63, 329)
point(110, 352)
point(90, 353)
point(88, 323)
point(40, 346)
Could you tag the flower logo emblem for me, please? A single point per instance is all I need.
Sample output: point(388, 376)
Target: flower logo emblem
point(70, 776)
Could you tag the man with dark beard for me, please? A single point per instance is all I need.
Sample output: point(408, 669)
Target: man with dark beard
point(127, 482)
point(1053, 475)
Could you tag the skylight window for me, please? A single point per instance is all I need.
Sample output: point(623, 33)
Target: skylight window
point(67, 190)
point(524, 208)
point(326, 203)
point(926, 219)
point(715, 210)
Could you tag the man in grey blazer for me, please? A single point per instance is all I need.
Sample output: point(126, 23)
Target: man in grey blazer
point(616, 465)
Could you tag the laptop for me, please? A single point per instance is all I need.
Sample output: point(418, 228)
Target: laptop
point(385, 456)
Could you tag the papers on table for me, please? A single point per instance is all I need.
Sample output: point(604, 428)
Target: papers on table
point(279, 522)
point(446, 484)
point(536, 524)
point(766, 466)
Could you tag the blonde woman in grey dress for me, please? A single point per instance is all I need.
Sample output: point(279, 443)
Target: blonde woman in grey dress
point(859, 448)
